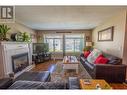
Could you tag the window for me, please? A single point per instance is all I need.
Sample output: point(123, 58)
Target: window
point(55, 42)
point(74, 43)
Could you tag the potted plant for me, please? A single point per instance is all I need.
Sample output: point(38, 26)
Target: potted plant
point(87, 48)
point(26, 37)
point(3, 31)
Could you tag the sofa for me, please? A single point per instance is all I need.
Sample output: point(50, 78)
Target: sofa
point(73, 83)
point(113, 71)
point(38, 80)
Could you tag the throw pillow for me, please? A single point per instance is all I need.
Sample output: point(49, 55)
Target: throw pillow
point(93, 55)
point(101, 60)
point(86, 53)
point(113, 60)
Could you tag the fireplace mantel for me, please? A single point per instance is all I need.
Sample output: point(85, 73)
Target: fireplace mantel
point(9, 49)
point(11, 42)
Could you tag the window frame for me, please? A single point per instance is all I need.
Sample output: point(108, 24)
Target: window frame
point(63, 41)
point(74, 47)
point(61, 38)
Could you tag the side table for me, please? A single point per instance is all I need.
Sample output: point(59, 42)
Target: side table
point(92, 83)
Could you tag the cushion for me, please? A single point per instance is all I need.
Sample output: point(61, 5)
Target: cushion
point(101, 60)
point(93, 55)
point(34, 76)
point(86, 53)
point(112, 59)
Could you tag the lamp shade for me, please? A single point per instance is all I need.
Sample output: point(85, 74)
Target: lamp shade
point(88, 43)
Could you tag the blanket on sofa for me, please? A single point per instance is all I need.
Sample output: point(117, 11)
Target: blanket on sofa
point(37, 85)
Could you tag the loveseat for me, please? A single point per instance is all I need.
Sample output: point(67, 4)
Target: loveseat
point(113, 71)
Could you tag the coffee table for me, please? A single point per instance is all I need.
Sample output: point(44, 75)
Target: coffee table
point(70, 62)
point(92, 83)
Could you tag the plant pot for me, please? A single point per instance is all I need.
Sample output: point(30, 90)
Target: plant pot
point(5, 39)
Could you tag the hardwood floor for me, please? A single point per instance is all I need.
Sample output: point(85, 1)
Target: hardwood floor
point(44, 66)
point(118, 86)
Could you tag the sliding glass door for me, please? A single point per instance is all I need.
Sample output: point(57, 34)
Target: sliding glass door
point(74, 43)
point(65, 44)
point(50, 42)
point(55, 43)
point(58, 46)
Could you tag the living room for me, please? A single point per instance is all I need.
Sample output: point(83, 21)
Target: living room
point(58, 47)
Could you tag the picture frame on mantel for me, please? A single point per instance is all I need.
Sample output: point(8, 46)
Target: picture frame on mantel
point(106, 34)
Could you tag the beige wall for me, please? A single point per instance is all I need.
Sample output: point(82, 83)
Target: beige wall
point(17, 27)
point(114, 47)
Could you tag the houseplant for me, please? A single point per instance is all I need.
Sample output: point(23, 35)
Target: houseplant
point(87, 48)
point(26, 37)
point(3, 31)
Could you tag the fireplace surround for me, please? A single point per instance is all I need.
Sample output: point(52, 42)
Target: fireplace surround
point(20, 62)
point(15, 58)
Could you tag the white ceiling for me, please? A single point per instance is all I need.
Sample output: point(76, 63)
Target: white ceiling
point(64, 17)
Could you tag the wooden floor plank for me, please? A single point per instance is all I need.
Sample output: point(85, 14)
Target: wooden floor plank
point(44, 66)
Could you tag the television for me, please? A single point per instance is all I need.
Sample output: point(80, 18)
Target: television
point(40, 47)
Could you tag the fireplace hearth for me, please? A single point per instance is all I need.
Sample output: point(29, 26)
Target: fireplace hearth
point(20, 62)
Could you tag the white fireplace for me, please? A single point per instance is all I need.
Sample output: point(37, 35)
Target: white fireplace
point(15, 57)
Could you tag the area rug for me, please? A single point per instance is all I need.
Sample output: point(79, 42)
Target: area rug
point(62, 75)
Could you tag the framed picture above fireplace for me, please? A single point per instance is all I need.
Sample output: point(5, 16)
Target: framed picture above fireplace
point(106, 34)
